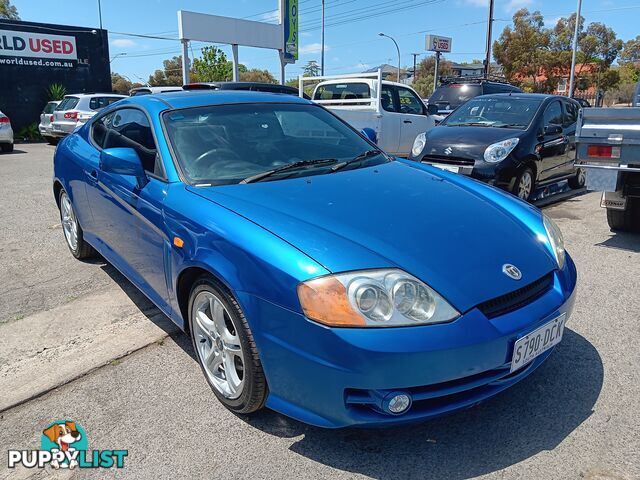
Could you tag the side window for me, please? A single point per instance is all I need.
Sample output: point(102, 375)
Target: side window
point(98, 103)
point(409, 103)
point(130, 128)
point(100, 128)
point(388, 100)
point(553, 114)
point(570, 113)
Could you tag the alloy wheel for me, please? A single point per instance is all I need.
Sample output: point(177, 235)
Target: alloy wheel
point(218, 345)
point(69, 222)
point(525, 185)
point(582, 177)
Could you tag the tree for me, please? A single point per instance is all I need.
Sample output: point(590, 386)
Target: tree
point(631, 51)
point(8, 11)
point(213, 66)
point(170, 75)
point(121, 84)
point(311, 69)
point(423, 80)
point(257, 75)
point(523, 51)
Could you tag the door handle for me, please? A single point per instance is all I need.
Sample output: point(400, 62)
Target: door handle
point(93, 174)
point(407, 121)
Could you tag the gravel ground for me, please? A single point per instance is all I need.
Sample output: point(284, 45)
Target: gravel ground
point(576, 417)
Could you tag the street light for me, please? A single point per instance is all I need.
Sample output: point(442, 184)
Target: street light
point(574, 49)
point(122, 54)
point(397, 48)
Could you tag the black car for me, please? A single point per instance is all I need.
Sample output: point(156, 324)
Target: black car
point(454, 92)
point(514, 141)
point(250, 86)
point(583, 102)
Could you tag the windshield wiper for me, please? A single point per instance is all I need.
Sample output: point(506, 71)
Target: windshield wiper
point(358, 158)
point(288, 166)
point(510, 125)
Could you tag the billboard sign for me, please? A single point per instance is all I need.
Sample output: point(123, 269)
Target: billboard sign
point(290, 24)
point(42, 46)
point(436, 43)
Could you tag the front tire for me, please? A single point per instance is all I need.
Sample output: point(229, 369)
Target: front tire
point(225, 348)
point(73, 233)
point(7, 147)
point(625, 220)
point(524, 185)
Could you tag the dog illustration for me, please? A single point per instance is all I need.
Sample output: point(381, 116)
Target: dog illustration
point(63, 434)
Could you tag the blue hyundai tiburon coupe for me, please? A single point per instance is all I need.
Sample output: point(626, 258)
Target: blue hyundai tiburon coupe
point(315, 274)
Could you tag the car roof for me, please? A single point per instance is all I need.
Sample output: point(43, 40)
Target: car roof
point(540, 96)
point(201, 98)
point(82, 95)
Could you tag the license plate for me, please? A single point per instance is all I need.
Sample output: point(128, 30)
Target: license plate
point(448, 168)
point(537, 342)
point(613, 200)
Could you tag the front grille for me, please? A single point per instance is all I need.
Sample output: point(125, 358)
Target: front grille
point(518, 298)
point(448, 160)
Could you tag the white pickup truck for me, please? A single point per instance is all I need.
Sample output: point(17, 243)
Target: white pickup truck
point(395, 112)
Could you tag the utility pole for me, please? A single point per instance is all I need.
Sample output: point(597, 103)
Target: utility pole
point(435, 72)
point(487, 59)
point(100, 13)
point(322, 41)
point(415, 74)
point(572, 75)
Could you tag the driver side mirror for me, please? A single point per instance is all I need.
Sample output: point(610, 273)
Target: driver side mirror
point(432, 109)
point(123, 161)
point(552, 130)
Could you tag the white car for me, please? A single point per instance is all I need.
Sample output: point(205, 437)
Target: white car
point(46, 117)
point(6, 134)
point(394, 112)
point(75, 110)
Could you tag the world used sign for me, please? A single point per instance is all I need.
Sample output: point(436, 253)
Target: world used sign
point(436, 43)
point(37, 45)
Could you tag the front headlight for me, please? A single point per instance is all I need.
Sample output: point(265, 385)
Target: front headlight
point(373, 298)
point(556, 240)
point(418, 144)
point(499, 151)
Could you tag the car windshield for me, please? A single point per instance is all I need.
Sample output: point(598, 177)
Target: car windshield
point(225, 144)
point(503, 111)
point(451, 96)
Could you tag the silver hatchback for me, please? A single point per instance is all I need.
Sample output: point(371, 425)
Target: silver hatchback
point(46, 117)
point(75, 110)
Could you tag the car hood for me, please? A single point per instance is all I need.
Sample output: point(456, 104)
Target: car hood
point(465, 142)
point(453, 233)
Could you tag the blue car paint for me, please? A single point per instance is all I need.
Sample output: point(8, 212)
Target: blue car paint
point(261, 240)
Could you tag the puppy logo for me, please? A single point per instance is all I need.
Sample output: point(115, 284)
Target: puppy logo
point(64, 436)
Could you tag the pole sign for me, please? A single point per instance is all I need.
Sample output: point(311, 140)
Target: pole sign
point(28, 48)
point(436, 43)
point(290, 25)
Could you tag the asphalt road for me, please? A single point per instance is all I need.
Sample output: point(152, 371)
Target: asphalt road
point(577, 416)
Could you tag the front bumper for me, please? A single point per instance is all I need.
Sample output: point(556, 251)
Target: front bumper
point(325, 376)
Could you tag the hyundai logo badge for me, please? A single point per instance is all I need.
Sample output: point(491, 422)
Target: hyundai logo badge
point(511, 271)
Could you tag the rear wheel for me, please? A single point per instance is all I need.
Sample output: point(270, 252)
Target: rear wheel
point(625, 220)
point(524, 185)
point(51, 140)
point(578, 180)
point(6, 147)
point(225, 348)
point(72, 232)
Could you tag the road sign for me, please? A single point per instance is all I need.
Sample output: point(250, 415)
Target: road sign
point(436, 43)
point(290, 24)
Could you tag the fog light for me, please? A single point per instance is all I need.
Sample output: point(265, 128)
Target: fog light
point(397, 403)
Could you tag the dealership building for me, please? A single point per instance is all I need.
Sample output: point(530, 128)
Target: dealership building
point(34, 56)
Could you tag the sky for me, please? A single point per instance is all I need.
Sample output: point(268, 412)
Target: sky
point(352, 27)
